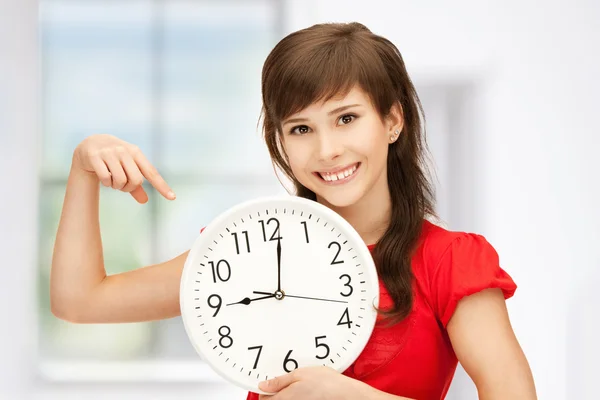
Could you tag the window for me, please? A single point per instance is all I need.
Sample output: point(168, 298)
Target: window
point(180, 79)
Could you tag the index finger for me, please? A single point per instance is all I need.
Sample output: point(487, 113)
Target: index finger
point(152, 175)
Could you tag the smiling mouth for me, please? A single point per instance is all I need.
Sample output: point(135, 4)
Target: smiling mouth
point(339, 176)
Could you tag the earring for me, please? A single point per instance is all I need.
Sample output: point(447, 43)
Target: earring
point(394, 136)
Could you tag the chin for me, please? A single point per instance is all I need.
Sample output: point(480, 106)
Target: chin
point(339, 198)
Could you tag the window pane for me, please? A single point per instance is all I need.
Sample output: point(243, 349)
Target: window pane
point(213, 56)
point(96, 74)
point(124, 228)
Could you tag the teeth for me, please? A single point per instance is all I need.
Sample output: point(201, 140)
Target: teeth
point(340, 175)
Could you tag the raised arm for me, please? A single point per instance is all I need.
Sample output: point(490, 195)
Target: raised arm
point(80, 290)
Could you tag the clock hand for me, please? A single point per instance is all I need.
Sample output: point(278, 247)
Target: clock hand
point(279, 265)
point(307, 298)
point(246, 300)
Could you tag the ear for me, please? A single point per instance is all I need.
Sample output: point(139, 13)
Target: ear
point(395, 118)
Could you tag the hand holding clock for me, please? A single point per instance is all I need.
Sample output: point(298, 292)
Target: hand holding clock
point(319, 383)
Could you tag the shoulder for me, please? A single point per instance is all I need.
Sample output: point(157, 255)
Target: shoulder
point(450, 265)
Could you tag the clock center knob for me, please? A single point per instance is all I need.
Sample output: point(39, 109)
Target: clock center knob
point(279, 295)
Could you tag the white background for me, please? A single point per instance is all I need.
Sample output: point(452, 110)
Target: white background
point(534, 67)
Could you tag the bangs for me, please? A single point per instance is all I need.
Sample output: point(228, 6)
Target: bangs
point(317, 72)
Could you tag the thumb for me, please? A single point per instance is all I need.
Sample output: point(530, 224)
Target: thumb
point(278, 383)
point(139, 194)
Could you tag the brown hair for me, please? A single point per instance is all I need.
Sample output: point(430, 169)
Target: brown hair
point(325, 60)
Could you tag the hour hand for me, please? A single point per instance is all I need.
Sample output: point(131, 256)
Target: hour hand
point(245, 301)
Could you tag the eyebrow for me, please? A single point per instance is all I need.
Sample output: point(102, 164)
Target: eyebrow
point(334, 111)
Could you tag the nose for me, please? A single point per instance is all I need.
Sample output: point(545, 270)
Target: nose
point(328, 146)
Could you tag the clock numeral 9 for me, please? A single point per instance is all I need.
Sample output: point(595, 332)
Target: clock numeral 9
point(317, 344)
point(275, 231)
point(257, 356)
point(225, 337)
point(339, 248)
point(345, 315)
point(347, 284)
point(237, 246)
point(288, 360)
point(218, 273)
point(216, 306)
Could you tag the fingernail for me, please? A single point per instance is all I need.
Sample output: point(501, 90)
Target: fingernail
point(171, 195)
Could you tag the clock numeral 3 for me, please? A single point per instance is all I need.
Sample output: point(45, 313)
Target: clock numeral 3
point(317, 344)
point(289, 360)
point(237, 246)
point(257, 356)
point(347, 284)
point(218, 273)
point(305, 231)
point(275, 231)
point(339, 248)
point(216, 306)
point(225, 341)
point(345, 315)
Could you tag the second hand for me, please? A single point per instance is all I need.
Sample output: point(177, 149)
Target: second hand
point(307, 298)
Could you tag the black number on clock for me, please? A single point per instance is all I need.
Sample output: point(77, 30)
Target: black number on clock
point(317, 344)
point(257, 356)
point(217, 271)
point(347, 321)
point(275, 231)
point(288, 360)
point(305, 231)
point(237, 246)
point(335, 260)
point(216, 306)
point(225, 337)
point(347, 284)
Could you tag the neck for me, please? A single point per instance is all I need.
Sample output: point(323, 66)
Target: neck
point(370, 216)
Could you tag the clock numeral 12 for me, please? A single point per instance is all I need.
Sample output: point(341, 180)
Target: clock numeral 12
point(237, 246)
point(275, 232)
point(216, 271)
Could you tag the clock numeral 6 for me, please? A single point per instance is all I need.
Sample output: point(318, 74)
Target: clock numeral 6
point(257, 355)
point(317, 344)
point(339, 248)
point(216, 306)
point(347, 284)
point(223, 274)
point(275, 231)
point(288, 360)
point(225, 341)
point(346, 316)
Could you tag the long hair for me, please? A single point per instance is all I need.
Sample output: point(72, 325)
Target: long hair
point(325, 60)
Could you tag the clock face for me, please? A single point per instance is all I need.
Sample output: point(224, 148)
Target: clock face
point(275, 284)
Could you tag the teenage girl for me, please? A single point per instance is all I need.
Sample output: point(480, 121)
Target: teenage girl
point(343, 121)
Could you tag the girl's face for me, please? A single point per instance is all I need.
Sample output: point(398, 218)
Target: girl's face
point(338, 148)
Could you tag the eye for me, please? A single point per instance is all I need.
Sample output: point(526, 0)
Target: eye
point(347, 118)
point(299, 130)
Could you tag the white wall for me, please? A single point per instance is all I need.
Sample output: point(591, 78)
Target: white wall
point(536, 64)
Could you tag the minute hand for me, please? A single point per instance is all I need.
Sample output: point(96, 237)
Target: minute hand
point(307, 298)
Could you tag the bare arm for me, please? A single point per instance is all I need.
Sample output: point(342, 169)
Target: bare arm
point(486, 346)
point(80, 290)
